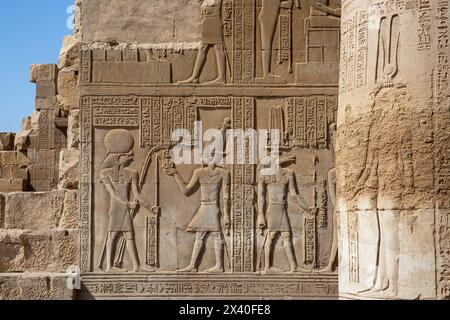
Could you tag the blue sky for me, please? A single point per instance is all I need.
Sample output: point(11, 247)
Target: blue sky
point(31, 31)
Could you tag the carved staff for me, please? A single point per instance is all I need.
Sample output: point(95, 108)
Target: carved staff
point(153, 222)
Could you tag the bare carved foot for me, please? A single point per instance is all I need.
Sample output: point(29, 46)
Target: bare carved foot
point(188, 269)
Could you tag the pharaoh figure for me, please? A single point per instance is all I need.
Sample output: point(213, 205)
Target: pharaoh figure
point(213, 181)
point(212, 36)
point(268, 19)
point(332, 193)
point(121, 182)
point(278, 185)
point(326, 7)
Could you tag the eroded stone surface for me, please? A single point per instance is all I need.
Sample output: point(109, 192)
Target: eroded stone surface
point(46, 286)
point(392, 169)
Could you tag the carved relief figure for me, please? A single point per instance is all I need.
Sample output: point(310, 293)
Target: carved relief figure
point(268, 19)
point(212, 36)
point(121, 182)
point(332, 192)
point(274, 216)
point(213, 181)
point(326, 7)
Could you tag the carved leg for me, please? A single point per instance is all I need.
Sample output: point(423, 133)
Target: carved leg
point(221, 65)
point(389, 227)
point(132, 250)
point(289, 249)
point(268, 267)
point(198, 246)
point(268, 20)
point(110, 252)
point(334, 245)
point(201, 58)
point(218, 247)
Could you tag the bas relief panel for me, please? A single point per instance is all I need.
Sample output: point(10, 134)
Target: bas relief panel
point(151, 228)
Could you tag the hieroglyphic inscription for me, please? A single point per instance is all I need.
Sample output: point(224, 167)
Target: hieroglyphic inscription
point(310, 241)
point(244, 17)
point(285, 39)
point(151, 225)
point(353, 246)
point(85, 184)
point(424, 42)
point(86, 66)
point(243, 191)
point(228, 18)
point(160, 117)
point(323, 204)
point(324, 287)
point(354, 52)
point(442, 46)
point(444, 250)
point(116, 111)
point(308, 119)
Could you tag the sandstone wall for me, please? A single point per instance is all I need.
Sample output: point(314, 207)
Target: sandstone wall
point(138, 21)
point(393, 154)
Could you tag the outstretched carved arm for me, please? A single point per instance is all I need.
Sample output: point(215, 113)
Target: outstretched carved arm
point(187, 189)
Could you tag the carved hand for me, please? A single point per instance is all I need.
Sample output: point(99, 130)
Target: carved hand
point(171, 172)
point(133, 205)
point(227, 223)
point(262, 224)
point(313, 211)
point(287, 5)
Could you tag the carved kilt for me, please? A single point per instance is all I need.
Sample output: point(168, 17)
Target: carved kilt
point(277, 215)
point(212, 25)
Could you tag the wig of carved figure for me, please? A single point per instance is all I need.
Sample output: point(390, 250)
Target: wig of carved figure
point(121, 182)
point(212, 37)
point(273, 215)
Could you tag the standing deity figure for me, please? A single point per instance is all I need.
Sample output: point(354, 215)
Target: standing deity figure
point(121, 181)
point(212, 36)
point(326, 7)
point(213, 181)
point(268, 19)
point(332, 192)
point(278, 186)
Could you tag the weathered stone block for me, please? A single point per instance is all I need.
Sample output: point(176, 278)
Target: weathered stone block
point(70, 52)
point(73, 129)
point(70, 216)
point(42, 286)
point(34, 210)
point(12, 185)
point(7, 141)
point(69, 169)
point(43, 73)
point(37, 250)
point(68, 90)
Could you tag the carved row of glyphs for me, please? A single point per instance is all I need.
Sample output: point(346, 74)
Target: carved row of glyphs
point(235, 189)
point(230, 288)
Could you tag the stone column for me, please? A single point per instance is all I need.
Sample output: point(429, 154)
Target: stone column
point(393, 154)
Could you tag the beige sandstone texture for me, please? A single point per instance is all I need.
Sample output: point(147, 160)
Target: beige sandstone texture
point(141, 21)
point(90, 181)
point(393, 150)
